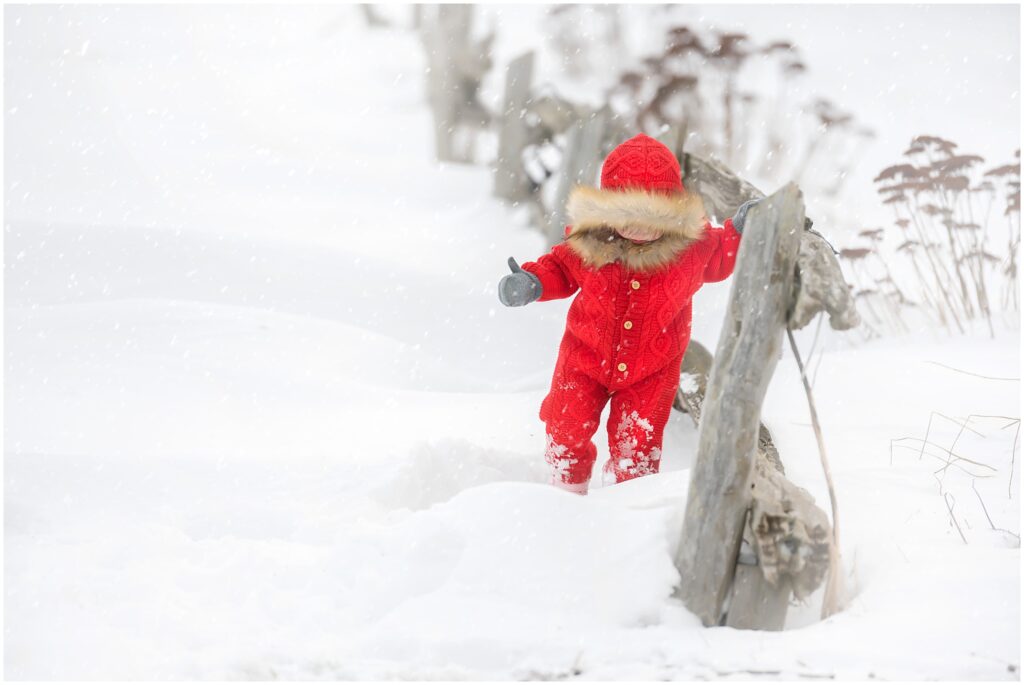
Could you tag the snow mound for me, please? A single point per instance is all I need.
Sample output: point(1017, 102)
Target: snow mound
point(537, 569)
point(266, 418)
point(436, 471)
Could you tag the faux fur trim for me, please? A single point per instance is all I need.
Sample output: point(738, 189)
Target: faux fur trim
point(601, 246)
point(594, 214)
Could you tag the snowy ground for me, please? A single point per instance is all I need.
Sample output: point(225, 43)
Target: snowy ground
point(266, 418)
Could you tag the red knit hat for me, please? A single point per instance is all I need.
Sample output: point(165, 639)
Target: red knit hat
point(641, 187)
point(642, 162)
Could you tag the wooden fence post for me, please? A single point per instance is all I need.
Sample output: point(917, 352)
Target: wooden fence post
point(674, 138)
point(510, 179)
point(751, 339)
point(445, 40)
point(785, 549)
point(580, 164)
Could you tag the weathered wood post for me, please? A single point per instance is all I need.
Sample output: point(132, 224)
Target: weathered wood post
point(445, 40)
point(580, 163)
point(751, 339)
point(821, 286)
point(785, 548)
point(787, 542)
point(721, 190)
point(674, 138)
point(510, 179)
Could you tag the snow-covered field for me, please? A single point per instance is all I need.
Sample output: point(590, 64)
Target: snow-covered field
point(265, 417)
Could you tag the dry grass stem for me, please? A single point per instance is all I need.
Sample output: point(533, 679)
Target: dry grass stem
point(833, 599)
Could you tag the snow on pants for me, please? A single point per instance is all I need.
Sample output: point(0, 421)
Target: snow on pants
point(572, 414)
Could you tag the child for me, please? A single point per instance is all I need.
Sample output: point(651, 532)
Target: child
point(636, 249)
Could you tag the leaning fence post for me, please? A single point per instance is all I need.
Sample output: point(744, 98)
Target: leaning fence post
point(510, 179)
point(751, 339)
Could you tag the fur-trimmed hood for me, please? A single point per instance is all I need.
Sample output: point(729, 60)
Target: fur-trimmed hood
point(595, 213)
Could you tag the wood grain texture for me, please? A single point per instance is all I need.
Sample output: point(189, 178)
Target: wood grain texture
point(693, 375)
point(720, 484)
point(820, 287)
point(754, 603)
point(820, 282)
point(787, 533)
point(723, 191)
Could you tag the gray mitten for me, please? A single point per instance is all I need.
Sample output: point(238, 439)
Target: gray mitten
point(741, 214)
point(519, 287)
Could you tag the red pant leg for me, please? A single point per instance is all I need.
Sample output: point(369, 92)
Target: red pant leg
point(636, 425)
point(572, 414)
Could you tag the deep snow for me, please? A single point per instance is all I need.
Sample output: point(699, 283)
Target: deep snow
point(265, 416)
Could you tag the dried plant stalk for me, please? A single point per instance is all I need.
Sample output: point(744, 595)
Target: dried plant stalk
point(833, 600)
point(933, 198)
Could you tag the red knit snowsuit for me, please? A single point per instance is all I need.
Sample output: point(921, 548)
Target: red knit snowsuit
point(629, 326)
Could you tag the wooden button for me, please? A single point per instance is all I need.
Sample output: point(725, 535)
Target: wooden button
point(621, 366)
point(635, 285)
point(627, 325)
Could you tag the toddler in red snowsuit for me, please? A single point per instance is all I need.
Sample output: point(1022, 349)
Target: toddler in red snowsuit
point(636, 249)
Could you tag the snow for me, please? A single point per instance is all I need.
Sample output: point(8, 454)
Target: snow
point(688, 382)
point(267, 419)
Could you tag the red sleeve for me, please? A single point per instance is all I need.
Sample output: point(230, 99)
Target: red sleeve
point(724, 243)
point(555, 273)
